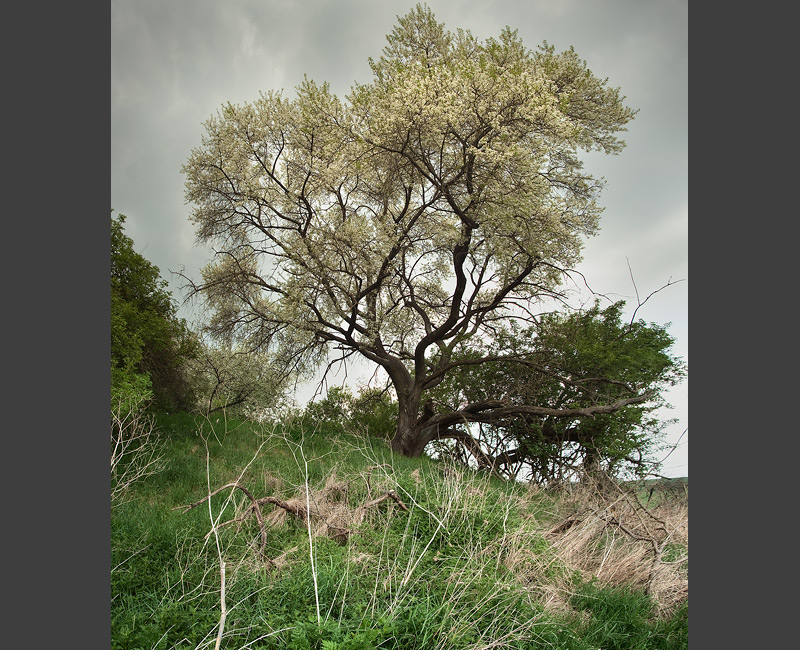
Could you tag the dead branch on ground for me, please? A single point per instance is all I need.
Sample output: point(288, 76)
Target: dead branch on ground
point(338, 521)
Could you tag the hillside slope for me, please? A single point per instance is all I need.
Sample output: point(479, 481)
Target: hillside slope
point(328, 540)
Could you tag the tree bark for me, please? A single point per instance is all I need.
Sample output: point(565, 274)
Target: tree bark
point(408, 440)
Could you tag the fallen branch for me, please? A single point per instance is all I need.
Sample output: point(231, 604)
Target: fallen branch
point(391, 494)
point(337, 531)
point(255, 507)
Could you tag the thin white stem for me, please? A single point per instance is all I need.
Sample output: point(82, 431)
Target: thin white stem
point(311, 538)
point(214, 528)
point(223, 609)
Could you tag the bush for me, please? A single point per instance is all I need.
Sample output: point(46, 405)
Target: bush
point(371, 411)
point(130, 391)
point(374, 412)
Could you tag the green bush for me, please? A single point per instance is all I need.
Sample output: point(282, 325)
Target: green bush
point(371, 411)
point(130, 391)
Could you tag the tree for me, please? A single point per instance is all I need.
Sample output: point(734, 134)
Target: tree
point(239, 383)
point(150, 345)
point(435, 202)
point(567, 360)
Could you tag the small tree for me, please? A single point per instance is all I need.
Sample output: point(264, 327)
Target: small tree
point(331, 410)
point(568, 361)
point(440, 199)
point(371, 411)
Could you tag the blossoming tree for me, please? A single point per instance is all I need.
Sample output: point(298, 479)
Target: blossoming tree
point(435, 201)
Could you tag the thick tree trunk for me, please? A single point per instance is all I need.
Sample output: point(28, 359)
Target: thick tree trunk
point(418, 425)
point(408, 439)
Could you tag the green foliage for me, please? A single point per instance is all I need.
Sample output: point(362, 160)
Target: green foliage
point(621, 619)
point(573, 360)
point(330, 635)
point(331, 411)
point(149, 343)
point(129, 391)
point(606, 358)
point(371, 411)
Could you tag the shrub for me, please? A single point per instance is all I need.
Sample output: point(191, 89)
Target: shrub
point(136, 450)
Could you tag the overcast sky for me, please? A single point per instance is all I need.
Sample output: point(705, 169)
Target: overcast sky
point(175, 62)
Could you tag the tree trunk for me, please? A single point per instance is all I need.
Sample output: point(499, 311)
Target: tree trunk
point(408, 439)
point(591, 464)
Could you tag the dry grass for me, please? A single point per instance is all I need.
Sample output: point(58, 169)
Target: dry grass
point(606, 532)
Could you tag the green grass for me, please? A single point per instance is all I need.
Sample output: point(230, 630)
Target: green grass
point(465, 566)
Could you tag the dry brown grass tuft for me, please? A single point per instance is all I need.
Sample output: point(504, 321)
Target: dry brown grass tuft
point(605, 531)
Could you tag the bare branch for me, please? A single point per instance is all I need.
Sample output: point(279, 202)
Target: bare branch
point(640, 303)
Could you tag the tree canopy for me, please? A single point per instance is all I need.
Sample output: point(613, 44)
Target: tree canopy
point(237, 382)
point(415, 217)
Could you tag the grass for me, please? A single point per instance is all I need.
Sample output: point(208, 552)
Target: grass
point(372, 550)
